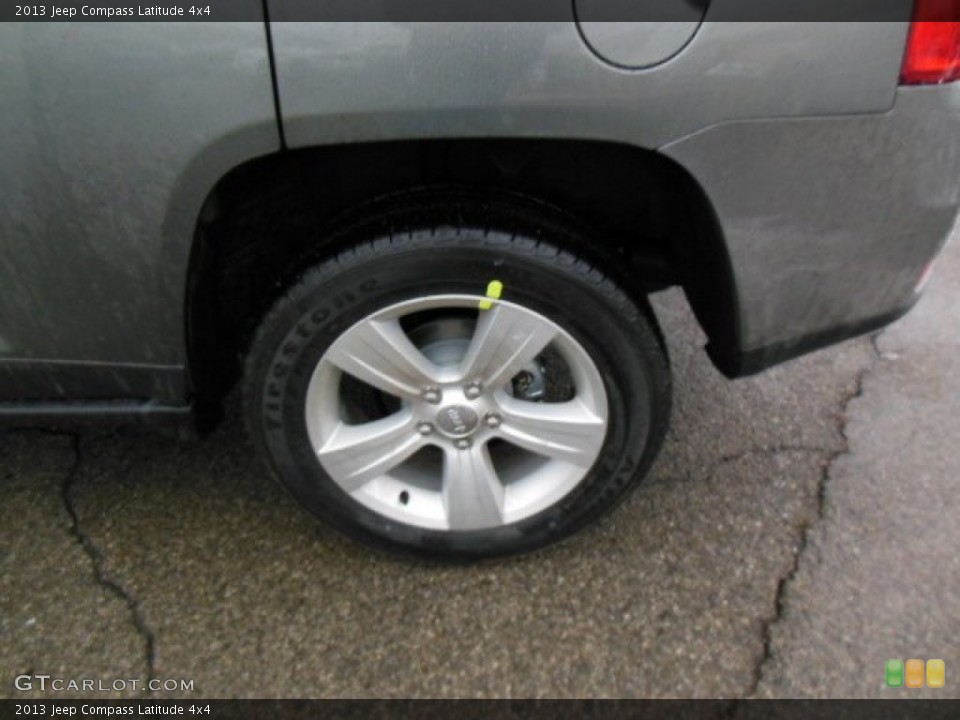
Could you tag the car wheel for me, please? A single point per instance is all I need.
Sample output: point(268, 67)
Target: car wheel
point(457, 390)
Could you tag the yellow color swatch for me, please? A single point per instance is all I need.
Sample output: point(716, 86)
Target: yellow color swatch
point(914, 673)
point(936, 671)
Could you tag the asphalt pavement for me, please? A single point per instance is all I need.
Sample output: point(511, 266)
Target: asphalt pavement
point(799, 529)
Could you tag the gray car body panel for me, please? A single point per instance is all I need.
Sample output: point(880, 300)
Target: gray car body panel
point(111, 136)
point(829, 222)
point(362, 82)
point(815, 163)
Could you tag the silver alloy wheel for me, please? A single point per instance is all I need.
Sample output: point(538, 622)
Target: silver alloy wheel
point(461, 451)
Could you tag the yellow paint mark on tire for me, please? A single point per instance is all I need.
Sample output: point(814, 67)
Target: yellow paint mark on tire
point(494, 290)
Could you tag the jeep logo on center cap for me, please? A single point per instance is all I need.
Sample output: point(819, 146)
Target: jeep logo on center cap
point(457, 421)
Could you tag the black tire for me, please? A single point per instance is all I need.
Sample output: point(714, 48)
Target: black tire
point(425, 248)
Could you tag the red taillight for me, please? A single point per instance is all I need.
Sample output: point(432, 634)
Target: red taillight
point(933, 48)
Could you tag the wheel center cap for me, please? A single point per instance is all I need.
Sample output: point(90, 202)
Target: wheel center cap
point(457, 421)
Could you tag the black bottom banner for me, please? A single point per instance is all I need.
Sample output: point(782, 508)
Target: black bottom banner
point(488, 709)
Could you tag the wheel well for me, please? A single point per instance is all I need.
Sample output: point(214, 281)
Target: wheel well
point(652, 226)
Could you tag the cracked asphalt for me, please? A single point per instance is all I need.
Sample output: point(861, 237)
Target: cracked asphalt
point(799, 529)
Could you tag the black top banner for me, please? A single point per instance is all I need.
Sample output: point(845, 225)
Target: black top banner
point(474, 10)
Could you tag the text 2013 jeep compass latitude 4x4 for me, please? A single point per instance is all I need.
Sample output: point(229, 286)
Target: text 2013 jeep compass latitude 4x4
point(425, 249)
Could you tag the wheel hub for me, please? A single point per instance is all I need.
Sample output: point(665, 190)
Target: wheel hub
point(457, 421)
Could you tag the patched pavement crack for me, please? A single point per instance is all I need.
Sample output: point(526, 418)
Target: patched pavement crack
point(807, 526)
point(97, 562)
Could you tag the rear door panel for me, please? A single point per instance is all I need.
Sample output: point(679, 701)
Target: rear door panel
point(111, 136)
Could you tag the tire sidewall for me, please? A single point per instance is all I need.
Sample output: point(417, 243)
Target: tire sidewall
point(330, 299)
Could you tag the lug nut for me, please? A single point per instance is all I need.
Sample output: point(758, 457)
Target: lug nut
point(473, 390)
point(493, 420)
point(462, 443)
point(424, 428)
point(431, 395)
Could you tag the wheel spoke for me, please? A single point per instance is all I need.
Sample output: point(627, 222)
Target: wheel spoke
point(568, 431)
point(505, 340)
point(379, 353)
point(356, 454)
point(472, 492)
